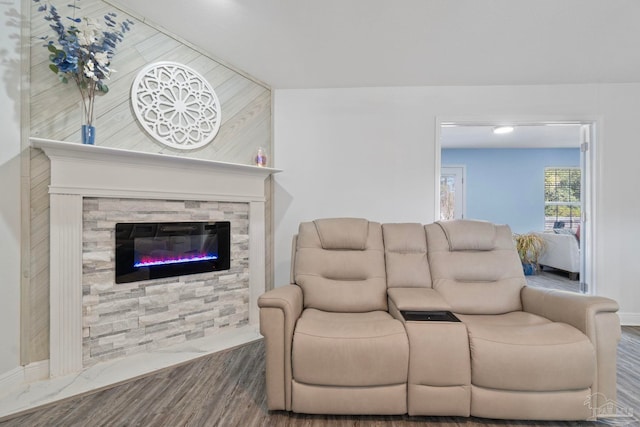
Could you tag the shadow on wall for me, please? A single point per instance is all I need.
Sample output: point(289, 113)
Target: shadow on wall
point(10, 149)
point(285, 200)
point(10, 55)
point(9, 170)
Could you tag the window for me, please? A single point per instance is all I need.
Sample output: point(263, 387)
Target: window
point(562, 198)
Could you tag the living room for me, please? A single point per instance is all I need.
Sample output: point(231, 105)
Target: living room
point(349, 141)
point(543, 195)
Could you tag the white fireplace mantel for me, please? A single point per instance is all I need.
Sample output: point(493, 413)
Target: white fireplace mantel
point(96, 171)
point(79, 171)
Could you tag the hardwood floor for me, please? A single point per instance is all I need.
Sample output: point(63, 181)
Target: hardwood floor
point(629, 371)
point(228, 389)
point(553, 279)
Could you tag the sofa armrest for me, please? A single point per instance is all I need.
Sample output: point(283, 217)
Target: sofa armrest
point(596, 317)
point(280, 308)
point(287, 298)
point(559, 306)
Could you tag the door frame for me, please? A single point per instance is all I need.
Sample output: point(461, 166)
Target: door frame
point(592, 126)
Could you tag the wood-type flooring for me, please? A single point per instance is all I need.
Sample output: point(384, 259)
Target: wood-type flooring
point(228, 389)
point(553, 279)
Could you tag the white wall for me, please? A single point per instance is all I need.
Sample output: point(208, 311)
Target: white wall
point(371, 152)
point(10, 186)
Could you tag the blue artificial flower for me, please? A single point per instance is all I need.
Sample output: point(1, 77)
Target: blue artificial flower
point(82, 51)
point(65, 63)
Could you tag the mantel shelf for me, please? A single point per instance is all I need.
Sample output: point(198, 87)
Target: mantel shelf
point(54, 148)
point(93, 171)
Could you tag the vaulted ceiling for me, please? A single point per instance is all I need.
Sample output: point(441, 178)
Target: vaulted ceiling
point(364, 43)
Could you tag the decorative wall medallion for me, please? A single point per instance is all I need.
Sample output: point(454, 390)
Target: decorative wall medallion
point(176, 105)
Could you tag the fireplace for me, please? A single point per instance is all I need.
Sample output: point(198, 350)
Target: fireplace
point(82, 247)
point(153, 250)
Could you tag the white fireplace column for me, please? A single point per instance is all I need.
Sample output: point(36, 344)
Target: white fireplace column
point(79, 171)
point(65, 284)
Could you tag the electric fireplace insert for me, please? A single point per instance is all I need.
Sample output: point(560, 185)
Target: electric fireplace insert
point(152, 250)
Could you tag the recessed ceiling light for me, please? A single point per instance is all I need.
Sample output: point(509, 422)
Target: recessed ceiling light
point(500, 130)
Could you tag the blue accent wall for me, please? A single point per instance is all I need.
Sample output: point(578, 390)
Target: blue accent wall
point(506, 185)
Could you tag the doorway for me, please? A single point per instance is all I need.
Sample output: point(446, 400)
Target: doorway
point(511, 186)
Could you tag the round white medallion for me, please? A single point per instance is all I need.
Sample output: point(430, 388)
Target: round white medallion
point(176, 105)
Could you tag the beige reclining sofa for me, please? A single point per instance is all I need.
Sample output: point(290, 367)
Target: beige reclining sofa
point(431, 320)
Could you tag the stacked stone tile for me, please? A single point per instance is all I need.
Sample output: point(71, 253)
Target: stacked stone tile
point(128, 318)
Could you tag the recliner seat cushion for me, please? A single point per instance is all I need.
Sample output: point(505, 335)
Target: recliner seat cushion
point(334, 273)
point(475, 274)
point(533, 354)
point(349, 349)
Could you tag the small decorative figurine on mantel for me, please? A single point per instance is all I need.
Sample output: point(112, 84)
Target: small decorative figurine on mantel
point(261, 157)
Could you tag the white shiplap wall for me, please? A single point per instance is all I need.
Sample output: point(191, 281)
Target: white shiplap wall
point(56, 114)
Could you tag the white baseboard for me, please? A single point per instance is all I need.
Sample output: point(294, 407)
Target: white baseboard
point(629, 319)
point(36, 371)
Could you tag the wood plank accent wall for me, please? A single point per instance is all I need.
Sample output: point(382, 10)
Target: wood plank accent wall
point(55, 113)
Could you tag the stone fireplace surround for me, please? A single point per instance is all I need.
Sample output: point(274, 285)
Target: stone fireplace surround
point(136, 317)
point(81, 174)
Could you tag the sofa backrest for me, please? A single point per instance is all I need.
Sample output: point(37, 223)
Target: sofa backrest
point(339, 264)
point(474, 266)
point(405, 250)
